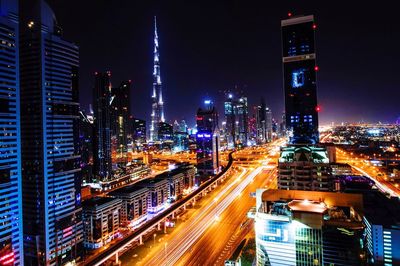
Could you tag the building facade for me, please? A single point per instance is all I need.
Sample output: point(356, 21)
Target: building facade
point(304, 168)
point(51, 175)
point(236, 120)
point(120, 128)
point(102, 161)
point(138, 133)
point(134, 204)
point(11, 241)
point(207, 141)
point(299, 228)
point(299, 71)
point(100, 221)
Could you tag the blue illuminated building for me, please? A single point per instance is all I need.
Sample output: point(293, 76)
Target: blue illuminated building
point(207, 141)
point(308, 228)
point(49, 132)
point(10, 154)
point(299, 67)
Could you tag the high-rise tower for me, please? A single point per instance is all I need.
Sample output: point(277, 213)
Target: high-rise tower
point(299, 71)
point(10, 155)
point(157, 106)
point(50, 139)
point(102, 128)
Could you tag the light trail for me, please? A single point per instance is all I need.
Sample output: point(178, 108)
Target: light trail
point(378, 184)
point(174, 250)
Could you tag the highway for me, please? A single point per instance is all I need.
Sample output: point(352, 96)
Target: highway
point(370, 171)
point(214, 246)
point(104, 255)
point(199, 240)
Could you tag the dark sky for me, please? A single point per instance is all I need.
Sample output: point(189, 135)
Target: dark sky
point(210, 46)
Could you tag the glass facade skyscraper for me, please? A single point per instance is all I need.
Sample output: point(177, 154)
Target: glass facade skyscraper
point(207, 141)
point(10, 147)
point(102, 163)
point(49, 133)
point(120, 128)
point(299, 71)
point(236, 120)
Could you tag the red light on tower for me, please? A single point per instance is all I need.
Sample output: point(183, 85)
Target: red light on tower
point(314, 26)
point(316, 68)
point(317, 108)
point(289, 14)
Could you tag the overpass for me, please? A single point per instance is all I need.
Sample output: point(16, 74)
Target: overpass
point(114, 250)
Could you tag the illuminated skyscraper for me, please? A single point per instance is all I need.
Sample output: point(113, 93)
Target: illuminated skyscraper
point(102, 129)
point(268, 123)
point(49, 131)
point(120, 111)
point(299, 70)
point(157, 106)
point(10, 140)
point(207, 141)
point(236, 119)
point(138, 132)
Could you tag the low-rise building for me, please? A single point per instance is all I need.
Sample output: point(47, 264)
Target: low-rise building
point(100, 221)
point(175, 178)
point(382, 233)
point(134, 204)
point(341, 169)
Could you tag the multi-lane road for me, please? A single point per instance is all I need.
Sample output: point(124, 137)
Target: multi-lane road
point(213, 230)
point(379, 177)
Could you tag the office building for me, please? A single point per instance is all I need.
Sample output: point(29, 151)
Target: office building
point(120, 128)
point(304, 168)
point(102, 128)
point(236, 119)
point(263, 117)
point(100, 221)
point(165, 132)
point(157, 106)
point(51, 175)
point(86, 145)
point(382, 232)
point(11, 235)
point(268, 124)
point(308, 228)
point(138, 133)
point(299, 71)
point(207, 141)
point(302, 165)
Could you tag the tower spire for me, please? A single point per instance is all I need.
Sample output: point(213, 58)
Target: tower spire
point(157, 114)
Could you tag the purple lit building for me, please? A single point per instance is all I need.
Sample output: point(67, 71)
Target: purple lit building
point(207, 141)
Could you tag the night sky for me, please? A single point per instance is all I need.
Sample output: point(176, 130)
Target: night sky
point(210, 46)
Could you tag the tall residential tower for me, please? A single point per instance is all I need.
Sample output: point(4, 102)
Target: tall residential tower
point(157, 106)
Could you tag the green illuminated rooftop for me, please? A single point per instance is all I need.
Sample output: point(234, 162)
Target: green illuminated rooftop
point(304, 154)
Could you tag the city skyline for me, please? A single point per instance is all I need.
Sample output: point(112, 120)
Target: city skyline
point(128, 182)
point(245, 51)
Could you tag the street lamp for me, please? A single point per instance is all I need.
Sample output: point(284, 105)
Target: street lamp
point(154, 239)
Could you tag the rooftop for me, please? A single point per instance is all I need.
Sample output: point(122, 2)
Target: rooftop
point(307, 206)
point(97, 201)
